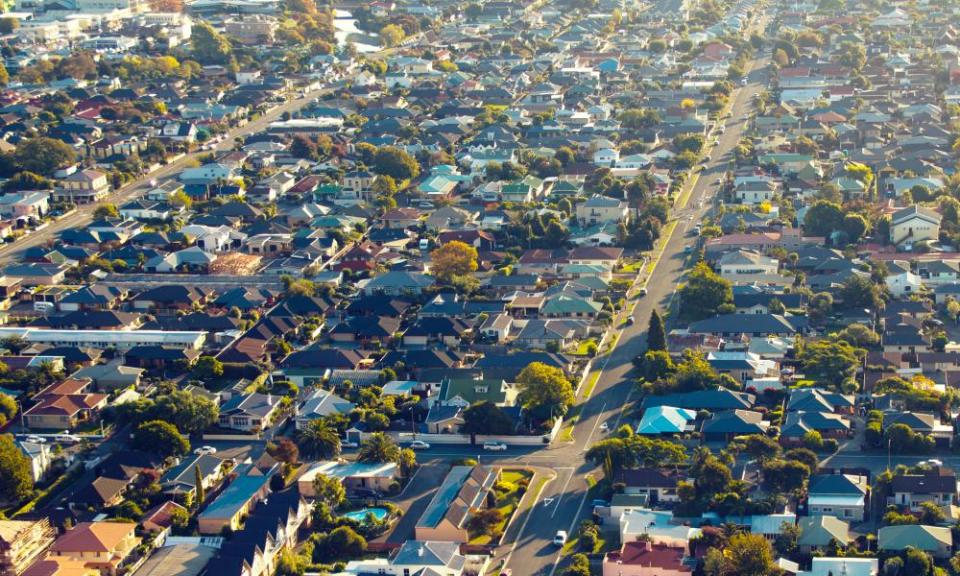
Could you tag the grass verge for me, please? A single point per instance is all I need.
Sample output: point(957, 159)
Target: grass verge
point(507, 502)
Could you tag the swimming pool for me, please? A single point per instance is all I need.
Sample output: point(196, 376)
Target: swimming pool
point(361, 514)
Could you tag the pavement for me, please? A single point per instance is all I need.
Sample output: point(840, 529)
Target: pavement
point(568, 493)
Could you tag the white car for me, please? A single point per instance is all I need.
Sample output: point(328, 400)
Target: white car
point(349, 445)
point(205, 450)
point(561, 538)
point(36, 439)
point(604, 428)
point(494, 446)
point(67, 438)
point(419, 445)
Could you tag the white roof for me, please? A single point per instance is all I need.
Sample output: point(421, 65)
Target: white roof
point(847, 566)
point(836, 501)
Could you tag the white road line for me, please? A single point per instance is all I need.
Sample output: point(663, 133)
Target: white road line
point(561, 493)
point(523, 527)
point(597, 423)
point(626, 402)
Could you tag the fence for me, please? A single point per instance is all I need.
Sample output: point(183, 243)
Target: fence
point(462, 439)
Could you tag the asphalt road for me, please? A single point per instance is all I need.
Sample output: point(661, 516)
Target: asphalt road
point(534, 554)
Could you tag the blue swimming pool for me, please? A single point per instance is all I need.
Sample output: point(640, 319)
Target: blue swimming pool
point(361, 514)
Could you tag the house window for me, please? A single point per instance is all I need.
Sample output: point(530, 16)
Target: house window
point(480, 389)
point(241, 421)
point(847, 513)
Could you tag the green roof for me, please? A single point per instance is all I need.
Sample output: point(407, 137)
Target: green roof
point(474, 391)
point(562, 304)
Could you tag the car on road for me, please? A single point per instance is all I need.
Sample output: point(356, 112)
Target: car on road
point(687, 249)
point(36, 439)
point(643, 292)
point(743, 82)
point(718, 181)
point(494, 446)
point(506, 572)
point(205, 450)
point(604, 427)
point(67, 438)
point(419, 445)
point(630, 320)
point(561, 538)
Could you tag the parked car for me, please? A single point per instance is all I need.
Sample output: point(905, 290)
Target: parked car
point(349, 445)
point(67, 438)
point(561, 538)
point(205, 450)
point(604, 427)
point(494, 446)
point(419, 445)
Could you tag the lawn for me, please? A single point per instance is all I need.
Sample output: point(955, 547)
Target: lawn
point(582, 347)
point(566, 434)
point(507, 502)
point(591, 384)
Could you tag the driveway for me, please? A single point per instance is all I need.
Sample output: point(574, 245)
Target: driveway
point(415, 498)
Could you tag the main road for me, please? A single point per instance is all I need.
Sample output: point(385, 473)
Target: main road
point(566, 497)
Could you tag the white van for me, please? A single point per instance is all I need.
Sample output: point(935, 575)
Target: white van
point(45, 307)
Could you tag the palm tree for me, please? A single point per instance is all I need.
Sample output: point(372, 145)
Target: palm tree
point(378, 448)
point(319, 439)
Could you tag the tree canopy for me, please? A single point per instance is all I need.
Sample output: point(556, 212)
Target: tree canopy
point(704, 293)
point(545, 390)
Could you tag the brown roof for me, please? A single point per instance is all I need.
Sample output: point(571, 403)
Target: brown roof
point(162, 515)
point(94, 537)
point(59, 566)
point(652, 555)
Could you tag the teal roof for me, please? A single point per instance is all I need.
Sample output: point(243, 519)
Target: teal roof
point(665, 420)
point(564, 304)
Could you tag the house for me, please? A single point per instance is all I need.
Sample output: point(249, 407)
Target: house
point(937, 485)
point(397, 283)
point(112, 376)
point(60, 566)
point(233, 504)
point(40, 456)
point(744, 266)
point(845, 565)
point(181, 480)
point(249, 412)
point(22, 542)
point(104, 546)
point(936, 541)
point(82, 187)
point(732, 423)
point(657, 485)
point(465, 490)
point(658, 420)
point(64, 405)
point(25, 205)
point(94, 297)
point(914, 224)
point(319, 404)
point(817, 532)
point(658, 526)
point(646, 559)
point(601, 209)
point(160, 518)
point(358, 478)
point(841, 495)
point(414, 557)
point(429, 330)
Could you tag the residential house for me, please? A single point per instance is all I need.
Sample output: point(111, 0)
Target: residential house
point(249, 412)
point(104, 546)
point(937, 485)
point(659, 486)
point(358, 478)
point(82, 187)
point(64, 405)
point(600, 209)
point(22, 542)
point(465, 490)
point(233, 504)
point(319, 404)
point(644, 558)
point(818, 532)
point(414, 557)
point(181, 480)
point(844, 496)
point(914, 224)
point(935, 540)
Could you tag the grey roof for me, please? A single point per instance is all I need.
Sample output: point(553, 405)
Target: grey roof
point(429, 553)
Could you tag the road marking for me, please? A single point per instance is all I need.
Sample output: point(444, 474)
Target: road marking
point(599, 416)
point(576, 518)
point(523, 527)
point(560, 498)
point(626, 403)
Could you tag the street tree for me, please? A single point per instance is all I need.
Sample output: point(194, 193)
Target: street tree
point(159, 437)
point(656, 333)
point(545, 390)
point(378, 447)
point(704, 293)
point(16, 472)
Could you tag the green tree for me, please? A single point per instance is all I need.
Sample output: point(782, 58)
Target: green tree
point(396, 163)
point(9, 25)
point(916, 562)
point(8, 408)
point(486, 418)
point(209, 46)
point(319, 440)
point(656, 365)
point(43, 155)
point(785, 476)
point(855, 226)
point(579, 566)
point(704, 293)
point(16, 476)
point(750, 555)
point(829, 363)
point(656, 333)
point(198, 482)
point(823, 218)
point(27, 181)
point(342, 542)
point(188, 412)
point(159, 437)
point(329, 491)
point(545, 390)
point(860, 292)
point(453, 259)
point(391, 35)
point(207, 367)
point(378, 447)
